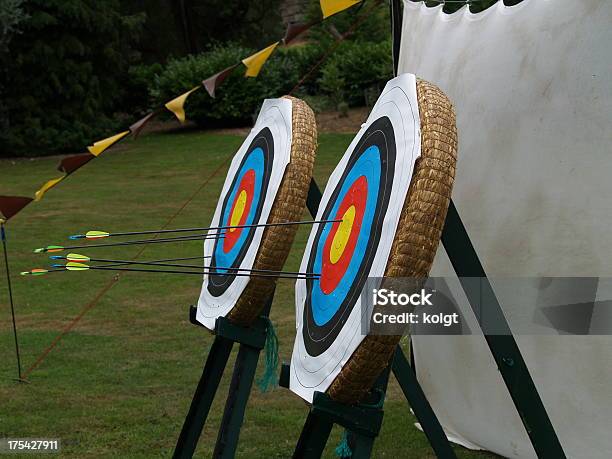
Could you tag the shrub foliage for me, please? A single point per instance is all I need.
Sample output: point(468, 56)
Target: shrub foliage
point(64, 74)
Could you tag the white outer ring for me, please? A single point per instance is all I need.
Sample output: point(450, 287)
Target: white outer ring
point(276, 115)
point(398, 101)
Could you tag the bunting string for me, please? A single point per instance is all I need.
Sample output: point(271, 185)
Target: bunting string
point(12, 205)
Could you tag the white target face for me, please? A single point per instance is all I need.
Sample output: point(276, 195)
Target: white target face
point(248, 194)
point(366, 192)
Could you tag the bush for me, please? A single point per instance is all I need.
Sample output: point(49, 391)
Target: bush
point(355, 67)
point(138, 86)
point(239, 98)
point(345, 77)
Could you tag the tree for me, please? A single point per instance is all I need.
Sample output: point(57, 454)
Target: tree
point(63, 80)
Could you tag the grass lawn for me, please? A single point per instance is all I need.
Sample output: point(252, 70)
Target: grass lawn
point(120, 383)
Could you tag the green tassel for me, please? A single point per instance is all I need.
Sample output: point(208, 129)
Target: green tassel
point(343, 449)
point(269, 377)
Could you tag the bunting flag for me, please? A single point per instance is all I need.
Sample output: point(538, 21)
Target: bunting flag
point(11, 205)
point(331, 7)
point(176, 106)
point(47, 186)
point(211, 83)
point(255, 62)
point(294, 29)
point(141, 123)
point(98, 147)
point(72, 163)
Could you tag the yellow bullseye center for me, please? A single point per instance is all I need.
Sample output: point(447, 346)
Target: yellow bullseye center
point(238, 210)
point(342, 235)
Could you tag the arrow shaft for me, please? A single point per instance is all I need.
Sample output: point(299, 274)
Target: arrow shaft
point(197, 237)
point(210, 228)
point(281, 276)
point(172, 265)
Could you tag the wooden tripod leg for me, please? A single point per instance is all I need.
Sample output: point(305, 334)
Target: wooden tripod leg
point(314, 437)
point(203, 397)
point(420, 405)
point(363, 447)
point(239, 390)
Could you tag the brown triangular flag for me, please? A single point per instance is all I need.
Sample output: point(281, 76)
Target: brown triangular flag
point(11, 205)
point(211, 83)
point(294, 29)
point(141, 123)
point(72, 163)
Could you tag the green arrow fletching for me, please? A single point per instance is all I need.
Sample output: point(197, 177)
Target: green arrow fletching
point(35, 272)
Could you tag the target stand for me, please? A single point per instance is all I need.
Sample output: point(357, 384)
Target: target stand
point(363, 420)
point(251, 340)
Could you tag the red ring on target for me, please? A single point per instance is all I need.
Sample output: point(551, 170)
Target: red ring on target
point(342, 239)
point(239, 210)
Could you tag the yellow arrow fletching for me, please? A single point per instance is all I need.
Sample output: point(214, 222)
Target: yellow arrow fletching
point(96, 234)
point(72, 266)
point(77, 257)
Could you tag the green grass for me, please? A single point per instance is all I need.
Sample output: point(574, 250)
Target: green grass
point(120, 383)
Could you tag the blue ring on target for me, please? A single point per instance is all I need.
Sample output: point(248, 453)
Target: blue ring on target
point(259, 159)
point(255, 162)
point(324, 313)
point(368, 165)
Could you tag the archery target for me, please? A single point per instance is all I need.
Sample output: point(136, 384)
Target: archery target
point(242, 206)
point(247, 197)
point(366, 191)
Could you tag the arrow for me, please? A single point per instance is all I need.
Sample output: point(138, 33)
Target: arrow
point(197, 237)
point(95, 234)
point(80, 258)
point(35, 272)
point(76, 258)
point(73, 266)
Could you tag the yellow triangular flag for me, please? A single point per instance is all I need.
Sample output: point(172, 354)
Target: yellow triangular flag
point(255, 62)
point(331, 7)
point(176, 105)
point(46, 187)
point(98, 147)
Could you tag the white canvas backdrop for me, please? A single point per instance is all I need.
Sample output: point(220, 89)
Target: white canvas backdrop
point(531, 87)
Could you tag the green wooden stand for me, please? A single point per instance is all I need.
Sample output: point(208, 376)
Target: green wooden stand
point(364, 420)
point(252, 340)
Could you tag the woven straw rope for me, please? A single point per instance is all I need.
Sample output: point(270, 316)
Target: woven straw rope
point(417, 236)
point(289, 205)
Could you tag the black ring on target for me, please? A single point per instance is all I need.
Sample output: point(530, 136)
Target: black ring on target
point(256, 166)
point(329, 302)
